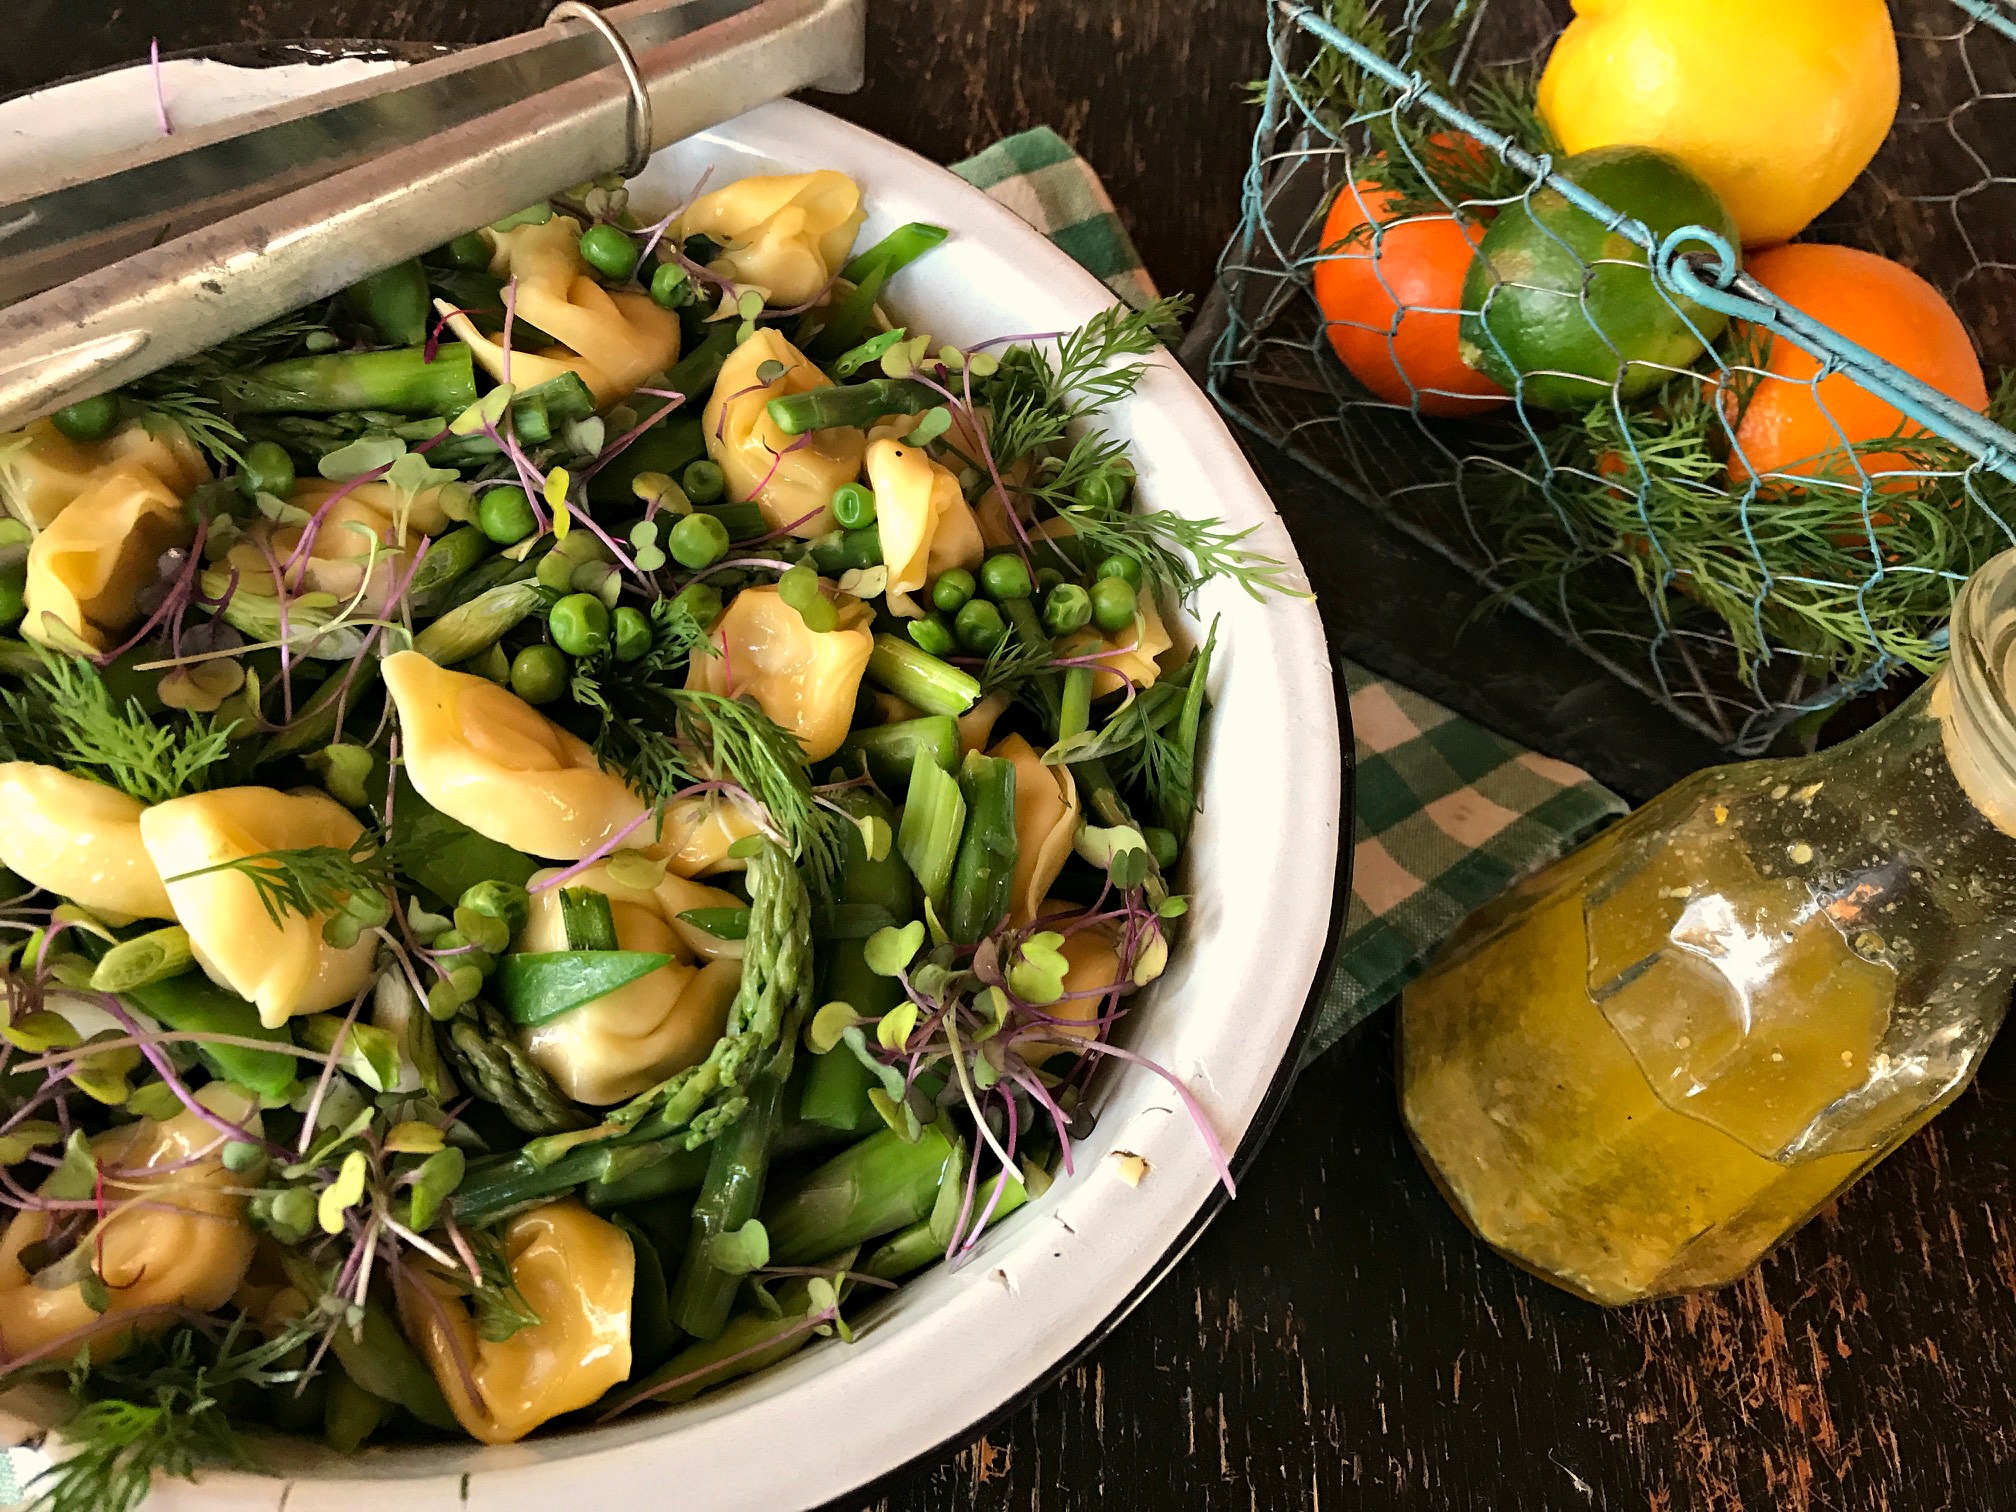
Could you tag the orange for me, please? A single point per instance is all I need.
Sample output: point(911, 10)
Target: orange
point(1793, 427)
point(1392, 310)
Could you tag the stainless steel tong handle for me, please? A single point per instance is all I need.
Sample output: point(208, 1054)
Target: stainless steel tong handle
point(124, 320)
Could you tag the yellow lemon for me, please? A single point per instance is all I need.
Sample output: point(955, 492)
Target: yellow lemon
point(1778, 104)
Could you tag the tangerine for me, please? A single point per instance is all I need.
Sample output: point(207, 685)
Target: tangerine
point(1392, 299)
point(1795, 426)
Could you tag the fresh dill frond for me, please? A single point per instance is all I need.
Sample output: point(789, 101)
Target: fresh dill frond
point(1057, 480)
point(66, 716)
point(1035, 396)
point(195, 392)
point(167, 1419)
point(501, 1308)
point(311, 880)
point(1178, 554)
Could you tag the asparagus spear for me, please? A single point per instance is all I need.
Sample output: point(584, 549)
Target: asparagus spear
point(144, 960)
point(477, 625)
point(891, 749)
point(836, 1089)
point(750, 1342)
point(919, 678)
point(855, 404)
point(873, 1188)
point(983, 876)
point(704, 1293)
point(403, 381)
point(447, 559)
point(924, 1243)
point(492, 1064)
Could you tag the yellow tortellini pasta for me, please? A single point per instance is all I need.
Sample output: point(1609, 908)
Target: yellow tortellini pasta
point(175, 1238)
point(791, 478)
point(614, 340)
point(925, 523)
point(343, 543)
point(482, 755)
point(88, 565)
point(282, 969)
point(1046, 822)
point(697, 832)
point(42, 470)
point(1091, 965)
point(79, 839)
point(577, 1273)
point(613, 1047)
point(804, 679)
point(787, 233)
point(1137, 647)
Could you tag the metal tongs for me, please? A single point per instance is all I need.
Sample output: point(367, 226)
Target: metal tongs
point(271, 211)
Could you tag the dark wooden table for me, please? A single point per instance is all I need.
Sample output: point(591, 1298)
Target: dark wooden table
point(1336, 1340)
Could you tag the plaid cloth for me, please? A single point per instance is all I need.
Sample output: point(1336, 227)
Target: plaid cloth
point(1448, 813)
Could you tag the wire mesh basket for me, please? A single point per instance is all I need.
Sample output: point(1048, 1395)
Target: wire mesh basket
point(1697, 463)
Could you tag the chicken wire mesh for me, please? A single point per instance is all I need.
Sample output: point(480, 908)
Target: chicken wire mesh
point(1752, 518)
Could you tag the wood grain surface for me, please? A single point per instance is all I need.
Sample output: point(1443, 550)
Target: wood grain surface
point(1337, 1340)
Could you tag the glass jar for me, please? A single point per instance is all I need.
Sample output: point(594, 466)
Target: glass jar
point(1642, 1068)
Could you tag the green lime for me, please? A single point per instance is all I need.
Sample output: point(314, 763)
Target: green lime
point(1563, 310)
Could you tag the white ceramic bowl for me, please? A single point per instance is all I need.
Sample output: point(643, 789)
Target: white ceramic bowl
point(951, 1348)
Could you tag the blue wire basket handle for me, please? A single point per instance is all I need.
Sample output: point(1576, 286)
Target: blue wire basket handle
point(1710, 277)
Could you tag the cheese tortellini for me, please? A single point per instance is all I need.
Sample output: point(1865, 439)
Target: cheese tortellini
point(575, 1271)
point(613, 340)
point(1046, 822)
point(613, 1047)
point(806, 680)
point(483, 756)
point(176, 1237)
point(42, 470)
point(696, 833)
point(787, 233)
point(282, 969)
point(80, 839)
point(791, 478)
point(926, 525)
point(88, 565)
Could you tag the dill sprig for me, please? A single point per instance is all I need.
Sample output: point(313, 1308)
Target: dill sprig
point(167, 1420)
point(195, 392)
point(67, 717)
point(310, 880)
point(1035, 396)
point(1177, 553)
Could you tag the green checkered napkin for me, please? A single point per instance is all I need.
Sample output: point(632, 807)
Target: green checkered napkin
point(1448, 813)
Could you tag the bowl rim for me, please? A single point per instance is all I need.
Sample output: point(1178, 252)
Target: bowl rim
point(1266, 1108)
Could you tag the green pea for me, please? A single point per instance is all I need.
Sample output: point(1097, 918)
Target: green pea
point(980, 627)
point(610, 251)
point(1005, 576)
point(90, 419)
point(703, 481)
point(267, 469)
point(799, 588)
point(1122, 567)
point(1107, 489)
point(932, 634)
point(700, 600)
point(953, 588)
point(469, 251)
point(499, 900)
point(669, 286)
point(698, 541)
point(632, 632)
point(853, 506)
point(1068, 608)
point(13, 594)
point(1046, 579)
point(579, 625)
point(1161, 845)
point(505, 514)
point(1113, 604)
point(539, 673)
